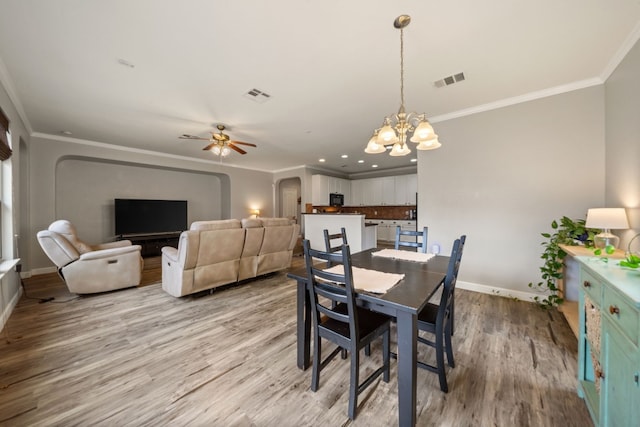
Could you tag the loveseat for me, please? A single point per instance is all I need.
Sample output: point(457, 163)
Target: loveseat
point(216, 253)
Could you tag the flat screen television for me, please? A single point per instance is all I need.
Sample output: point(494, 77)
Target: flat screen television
point(141, 216)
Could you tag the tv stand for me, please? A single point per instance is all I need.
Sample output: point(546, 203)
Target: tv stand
point(152, 244)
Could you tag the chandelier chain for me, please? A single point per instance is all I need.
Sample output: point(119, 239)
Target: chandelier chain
point(402, 67)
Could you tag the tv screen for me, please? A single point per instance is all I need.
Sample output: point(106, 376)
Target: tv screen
point(138, 216)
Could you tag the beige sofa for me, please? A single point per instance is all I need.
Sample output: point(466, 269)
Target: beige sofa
point(215, 253)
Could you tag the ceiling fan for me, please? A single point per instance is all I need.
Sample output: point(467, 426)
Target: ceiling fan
point(220, 144)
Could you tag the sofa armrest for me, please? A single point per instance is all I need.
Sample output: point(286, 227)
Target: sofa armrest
point(108, 253)
point(170, 253)
point(110, 245)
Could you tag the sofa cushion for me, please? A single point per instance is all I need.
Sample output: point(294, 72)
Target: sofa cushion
point(276, 222)
point(251, 223)
point(221, 224)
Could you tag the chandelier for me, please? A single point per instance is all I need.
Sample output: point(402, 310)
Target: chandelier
point(398, 127)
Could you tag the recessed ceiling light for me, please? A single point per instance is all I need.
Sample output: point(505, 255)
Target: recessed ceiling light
point(414, 160)
point(321, 160)
point(344, 156)
point(360, 161)
point(374, 166)
point(66, 132)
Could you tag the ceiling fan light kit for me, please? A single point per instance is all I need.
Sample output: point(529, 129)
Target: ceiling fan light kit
point(398, 127)
point(221, 145)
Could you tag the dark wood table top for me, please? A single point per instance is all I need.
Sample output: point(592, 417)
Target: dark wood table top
point(410, 294)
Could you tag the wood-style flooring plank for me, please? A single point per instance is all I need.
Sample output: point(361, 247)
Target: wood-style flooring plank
point(139, 357)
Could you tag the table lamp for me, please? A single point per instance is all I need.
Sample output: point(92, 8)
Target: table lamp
point(607, 219)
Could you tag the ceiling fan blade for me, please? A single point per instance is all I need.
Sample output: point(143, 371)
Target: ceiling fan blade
point(243, 143)
point(210, 146)
point(238, 149)
point(185, 136)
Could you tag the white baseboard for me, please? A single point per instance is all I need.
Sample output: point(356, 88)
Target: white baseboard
point(503, 292)
point(9, 308)
point(38, 271)
point(469, 286)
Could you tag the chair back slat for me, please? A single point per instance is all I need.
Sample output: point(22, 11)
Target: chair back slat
point(421, 239)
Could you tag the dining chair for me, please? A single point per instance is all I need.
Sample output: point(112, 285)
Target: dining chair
point(463, 239)
point(437, 319)
point(420, 242)
point(345, 324)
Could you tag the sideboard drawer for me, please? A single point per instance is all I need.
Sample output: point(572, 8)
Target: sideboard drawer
point(592, 286)
point(622, 314)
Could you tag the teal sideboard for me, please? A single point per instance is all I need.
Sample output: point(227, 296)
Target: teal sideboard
point(608, 343)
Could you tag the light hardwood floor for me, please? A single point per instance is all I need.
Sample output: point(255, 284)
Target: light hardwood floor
point(139, 357)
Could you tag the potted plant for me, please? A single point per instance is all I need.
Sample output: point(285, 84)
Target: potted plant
point(568, 232)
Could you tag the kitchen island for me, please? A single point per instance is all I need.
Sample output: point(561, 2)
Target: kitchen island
point(360, 236)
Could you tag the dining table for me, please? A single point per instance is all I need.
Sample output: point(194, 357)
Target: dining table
point(403, 302)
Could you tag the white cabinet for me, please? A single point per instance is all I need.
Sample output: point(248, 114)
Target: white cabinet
point(388, 184)
point(406, 187)
point(372, 192)
point(384, 191)
point(319, 190)
point(322, 185)
point(357, 196)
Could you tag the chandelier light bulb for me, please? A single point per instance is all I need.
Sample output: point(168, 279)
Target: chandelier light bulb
point(399, 149)
point(373, 147)
point(431, 144)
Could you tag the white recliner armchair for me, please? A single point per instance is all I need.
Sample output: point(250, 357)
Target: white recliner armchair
point(88, 269)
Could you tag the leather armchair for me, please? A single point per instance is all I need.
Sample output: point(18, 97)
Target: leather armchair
point(89, 268)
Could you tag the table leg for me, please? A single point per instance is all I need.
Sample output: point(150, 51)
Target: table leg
point(407, 347)
point(303, 325)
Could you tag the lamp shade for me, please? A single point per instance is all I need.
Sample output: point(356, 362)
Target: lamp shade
point(607, 218)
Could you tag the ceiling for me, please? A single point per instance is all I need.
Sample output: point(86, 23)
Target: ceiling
point(141, 73)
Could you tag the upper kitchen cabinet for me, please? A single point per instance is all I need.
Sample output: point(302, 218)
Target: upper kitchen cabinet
point(323, 185)
point(357, 193)
point(383, 191)
point(406, 187)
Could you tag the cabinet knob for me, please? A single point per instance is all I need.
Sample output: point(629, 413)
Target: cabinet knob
point(614, 310)
point(586, 284)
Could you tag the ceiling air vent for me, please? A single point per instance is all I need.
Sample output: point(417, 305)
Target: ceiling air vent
point(257, 96)
point(449, 80)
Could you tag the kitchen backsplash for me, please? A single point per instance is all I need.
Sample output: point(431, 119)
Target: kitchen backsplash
point(372, 212)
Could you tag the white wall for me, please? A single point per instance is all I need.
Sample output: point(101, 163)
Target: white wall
point(502, 176)
point(623, 142)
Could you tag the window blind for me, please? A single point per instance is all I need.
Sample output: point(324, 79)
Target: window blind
point(5, 150)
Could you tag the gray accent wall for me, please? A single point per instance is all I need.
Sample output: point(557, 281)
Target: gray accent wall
point(94, 184)
point(501, 177)
point(62, 170)
point(623, 143)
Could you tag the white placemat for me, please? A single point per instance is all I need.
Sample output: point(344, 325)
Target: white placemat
point(374, 281)
point(403, 255)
